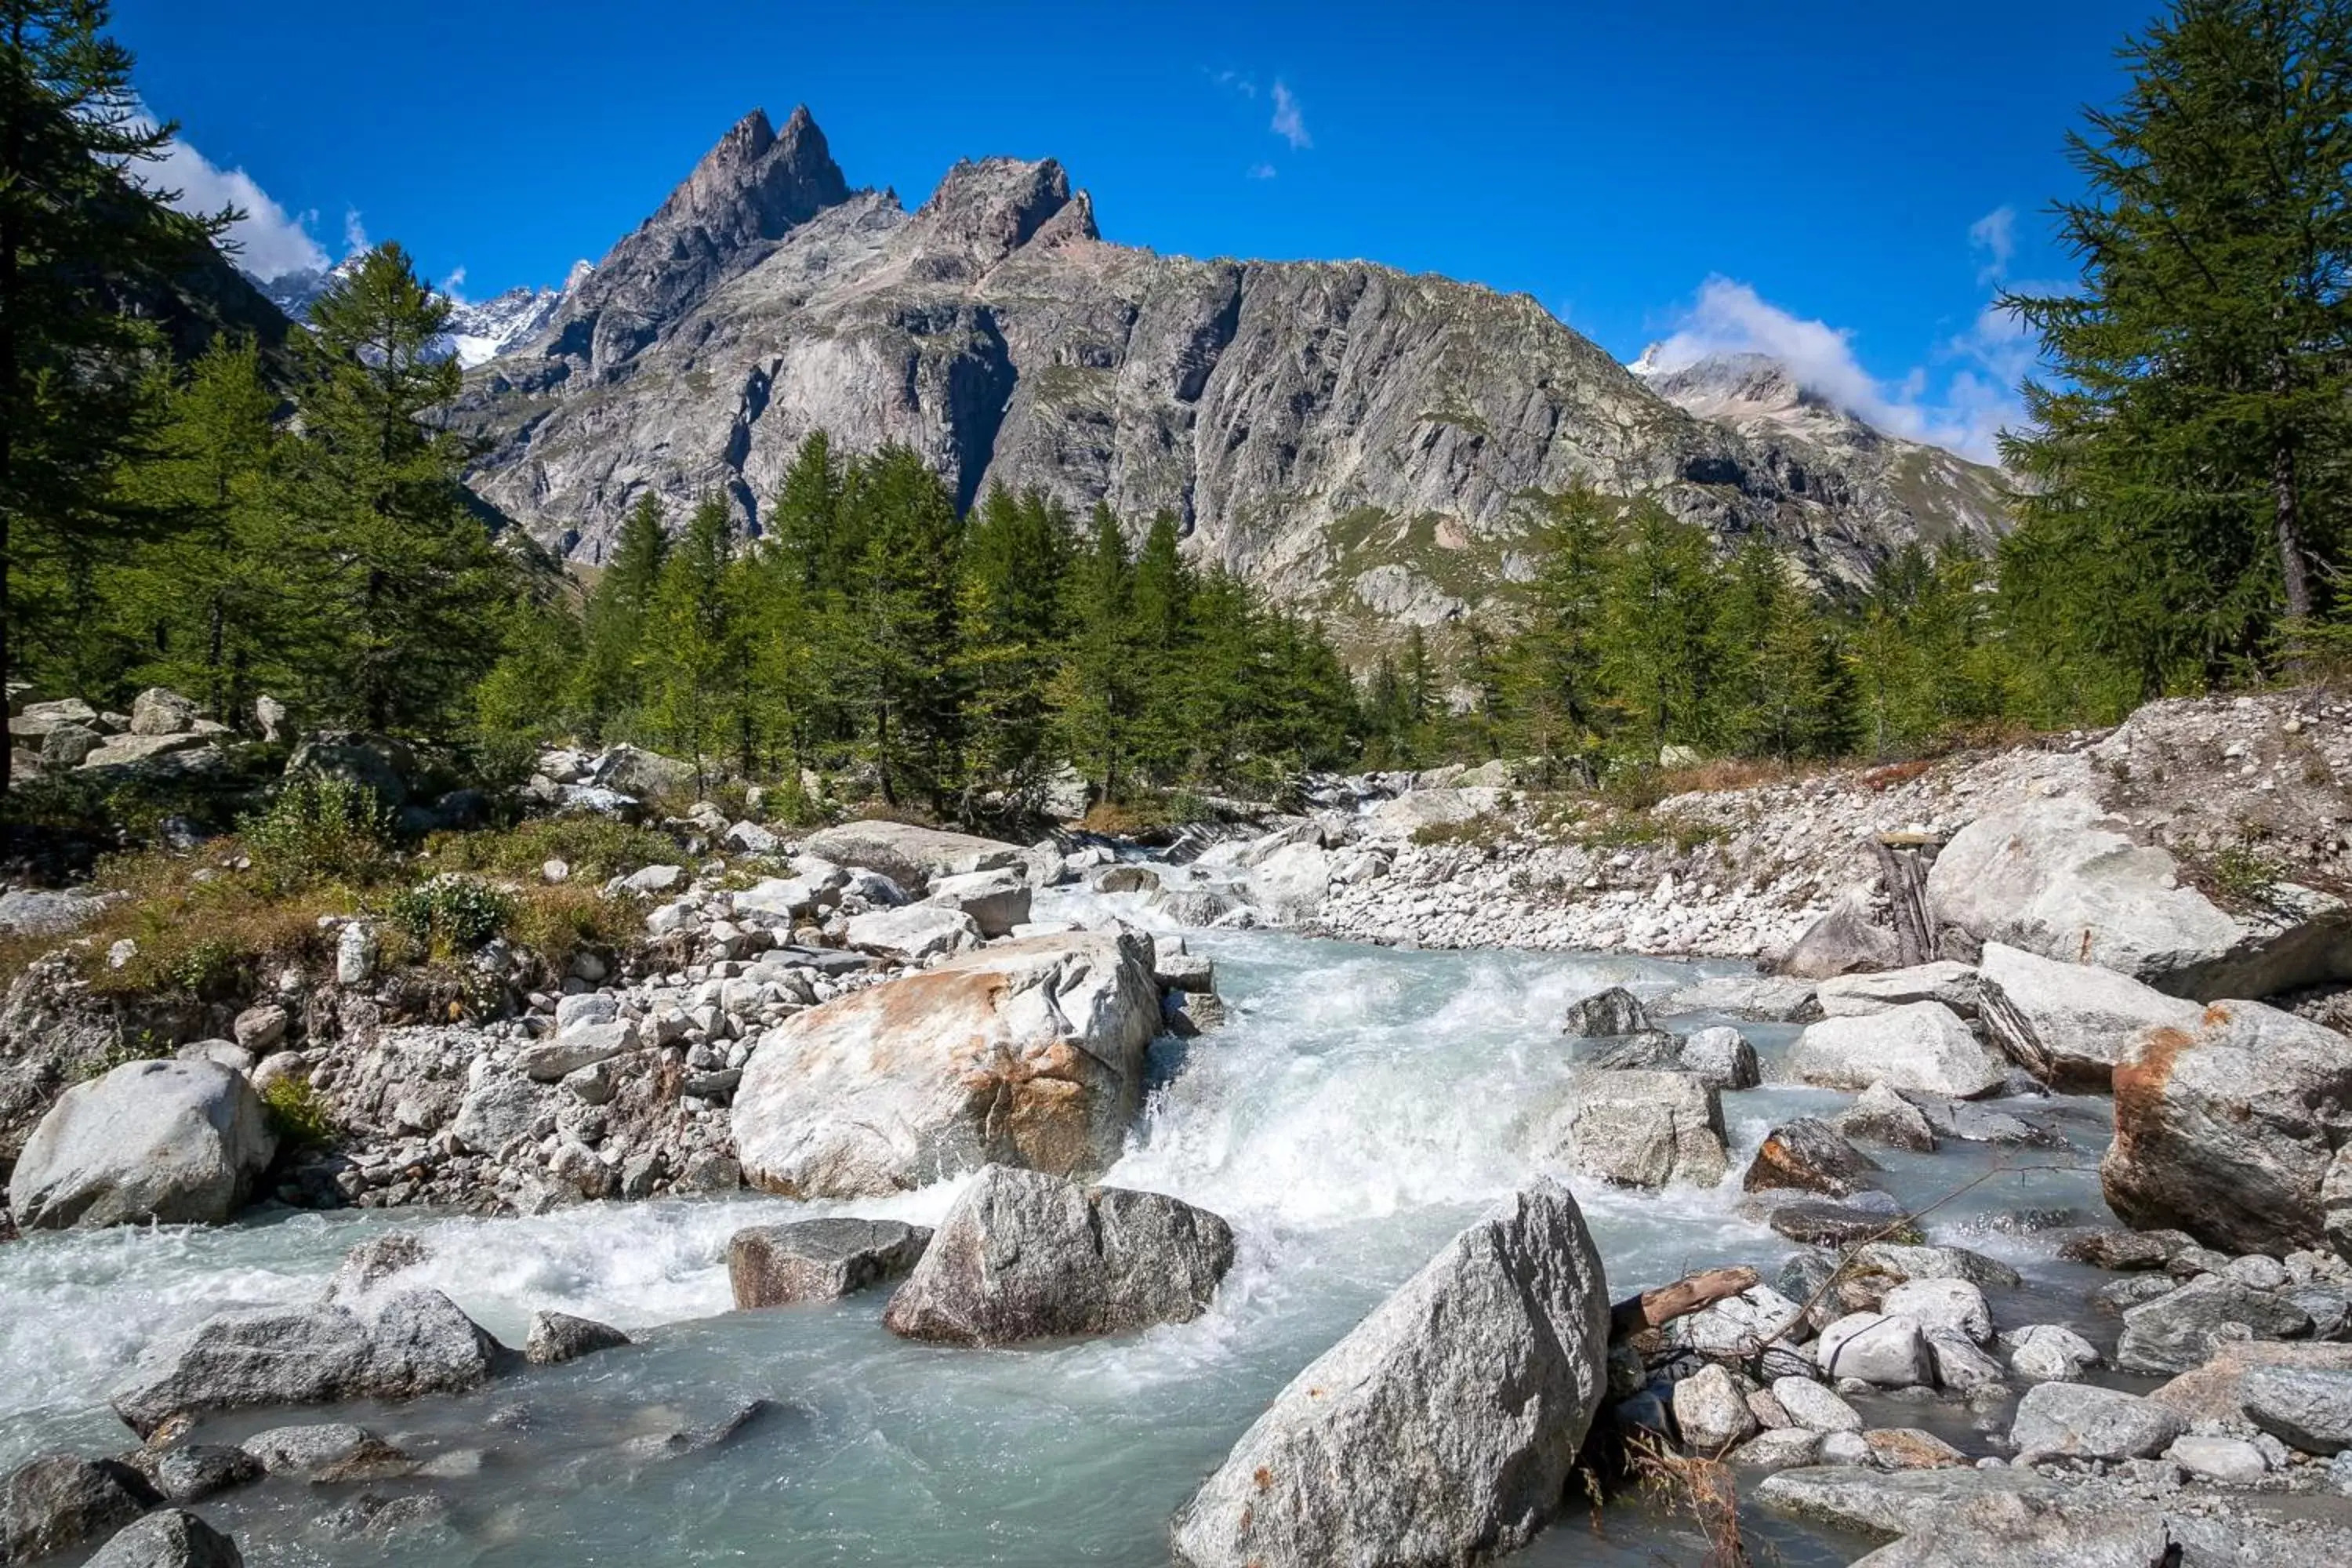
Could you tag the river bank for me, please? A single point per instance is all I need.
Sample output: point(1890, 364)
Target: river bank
point(1989, 1354)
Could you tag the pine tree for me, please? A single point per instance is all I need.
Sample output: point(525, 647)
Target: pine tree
point(899, 650)
point(1656, 620)
point(1161, 597)
point(694, 656)
point(1480, 672)
point(806, 525)
point(1094, 691)
point(1551, 678)
point(399, 590)
point(1780, 681)
point(1220, 677)
point(2187, 458)
point(610, 682)
point(81, 233)
point(202, 604)
point(1421, 697)
point(804, 630)
point(1015, 554)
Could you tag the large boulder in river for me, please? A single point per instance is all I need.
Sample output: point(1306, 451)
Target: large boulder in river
point(1641, 1129)
point(2068, 1024)
point(2226, 1129)
point(912, 856)
point(1025, 1256)
point(1922, 1046)
point(1443, 1428)
point(1859, 996)
point(818, 1259)
point(155, 1142)
point(2059, 878)
point(1030, 1054)
point(416, 1343)
point(1291, 884)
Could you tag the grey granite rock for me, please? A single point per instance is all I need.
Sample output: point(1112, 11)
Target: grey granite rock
point(819, 1260)
point(1027, 1256)
point(1493, 1355)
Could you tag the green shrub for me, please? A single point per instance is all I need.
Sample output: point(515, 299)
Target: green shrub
point(554, 923)
point(2243, 875)
point(321, 830)
point(595, 846)
point(298, 1114)
point(450, 913)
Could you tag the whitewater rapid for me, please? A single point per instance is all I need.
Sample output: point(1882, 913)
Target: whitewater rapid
point(1360, 1106)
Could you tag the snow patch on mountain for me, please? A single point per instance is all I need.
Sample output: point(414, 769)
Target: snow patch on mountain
point(479, 330)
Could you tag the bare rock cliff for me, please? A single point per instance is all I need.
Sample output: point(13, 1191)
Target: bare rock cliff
point(1351, 437)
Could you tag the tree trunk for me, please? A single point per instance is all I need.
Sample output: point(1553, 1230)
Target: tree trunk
point(1655, 1309)
point(2294, 571)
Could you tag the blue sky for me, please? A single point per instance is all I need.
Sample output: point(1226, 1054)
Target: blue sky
point(1844, 184)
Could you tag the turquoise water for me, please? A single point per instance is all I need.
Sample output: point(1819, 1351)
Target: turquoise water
point(1361, 1106)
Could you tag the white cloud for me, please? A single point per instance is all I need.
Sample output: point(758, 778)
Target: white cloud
point(453, 283)
point(1967, 416)
point(356, 237)
point(1234, 81)
point(1994, 240)
point(1263, 171)
point(270, 241)
point(1288, 122)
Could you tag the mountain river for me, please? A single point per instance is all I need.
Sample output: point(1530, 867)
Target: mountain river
point(1361, 1106)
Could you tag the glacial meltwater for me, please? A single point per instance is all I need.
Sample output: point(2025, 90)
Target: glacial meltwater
point(1360, 1106)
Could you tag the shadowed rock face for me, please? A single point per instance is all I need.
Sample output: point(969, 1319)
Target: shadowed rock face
point(1336, 431)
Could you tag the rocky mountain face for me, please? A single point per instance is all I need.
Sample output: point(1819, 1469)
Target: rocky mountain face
point(1944, 495)
point(1349, 435)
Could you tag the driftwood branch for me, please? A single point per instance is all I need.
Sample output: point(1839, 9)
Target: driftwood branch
point(1655, 1309)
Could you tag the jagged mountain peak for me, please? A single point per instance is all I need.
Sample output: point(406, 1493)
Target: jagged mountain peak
point(756, 183)
point(753, 187)
point(986, 209)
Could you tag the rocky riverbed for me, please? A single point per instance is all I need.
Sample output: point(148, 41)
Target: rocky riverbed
point(1933, 1328)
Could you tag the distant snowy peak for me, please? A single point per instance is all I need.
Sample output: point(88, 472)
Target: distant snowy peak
point(1751, 392)
point(295, 292)
point(479, 330)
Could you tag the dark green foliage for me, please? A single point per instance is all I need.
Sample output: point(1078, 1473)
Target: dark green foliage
point(199, 609)
point(397, 587)
point(1095, 691)
point(901, 678)
point(1015, 552)
point(2187, 457)
point(1550, 677)
point(81, 234)
point(299, 1114)
point(695, 684)
point(610, 678)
